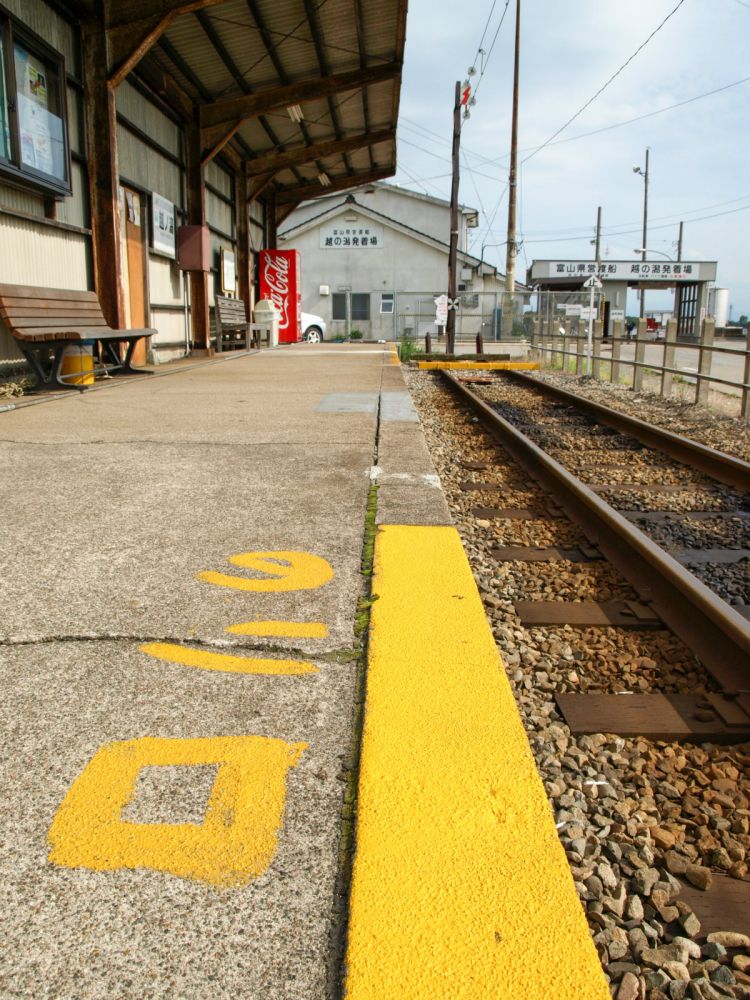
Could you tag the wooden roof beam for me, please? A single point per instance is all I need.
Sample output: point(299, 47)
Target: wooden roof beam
point(134, 27)
point(306, 192)
point(359, 20)
point(312, 19)
point(224, 114)
point(234, 71)
point(277, 161)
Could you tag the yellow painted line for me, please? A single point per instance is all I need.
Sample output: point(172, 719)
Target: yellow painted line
point(284, 571)
point(235, 842)
point(287, 630)
point(461, 889)
point(204, 660)
point(484, 366)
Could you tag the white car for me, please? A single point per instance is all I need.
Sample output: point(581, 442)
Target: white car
point(313, 328)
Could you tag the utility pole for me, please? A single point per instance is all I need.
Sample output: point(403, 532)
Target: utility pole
point(677, 307)
point(450, 324)
point(645, 230)
point(598, 247)
point(510, 260)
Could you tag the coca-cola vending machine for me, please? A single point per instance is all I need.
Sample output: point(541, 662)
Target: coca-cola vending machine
point(280, 282)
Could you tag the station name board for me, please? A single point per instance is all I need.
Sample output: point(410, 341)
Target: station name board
point(355, 236)
point(621, 270)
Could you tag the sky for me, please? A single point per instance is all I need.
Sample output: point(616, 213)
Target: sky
point(699, 153)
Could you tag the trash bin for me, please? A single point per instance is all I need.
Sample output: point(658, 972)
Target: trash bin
point(266, 315)
point(78, 364)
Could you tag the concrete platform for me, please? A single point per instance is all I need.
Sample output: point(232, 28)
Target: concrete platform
point(181, 567)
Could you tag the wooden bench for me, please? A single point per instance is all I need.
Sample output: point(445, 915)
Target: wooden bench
point(233, 332)
point(44, 321)
point(232, 328)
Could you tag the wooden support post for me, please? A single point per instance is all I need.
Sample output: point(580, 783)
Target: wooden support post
point(243, 240)
point(273, 227)
point(196, 216)
point(580, 346)
point(746, 379)
point(703, 386)
point(427, 343)
point(618, 332)
point(670, 342)
point(480, 344)
point(640, 355)
point(596, 350)
point(101, 137)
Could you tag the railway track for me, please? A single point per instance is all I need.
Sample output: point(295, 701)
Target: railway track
point(609, 484)
point(645, 770)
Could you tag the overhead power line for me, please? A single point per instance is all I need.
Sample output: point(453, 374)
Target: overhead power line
point(487, 58)
point(584, 135)
point(628, 232)
point(609, 81)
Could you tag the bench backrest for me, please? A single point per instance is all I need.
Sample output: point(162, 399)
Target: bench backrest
point(26, 310)
point(230, 312)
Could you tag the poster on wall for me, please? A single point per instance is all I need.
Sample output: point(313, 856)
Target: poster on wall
point(41, 132)
point(162, 225)
point(228, 272)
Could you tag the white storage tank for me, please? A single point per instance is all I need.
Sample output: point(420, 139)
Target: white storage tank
point(718, 305)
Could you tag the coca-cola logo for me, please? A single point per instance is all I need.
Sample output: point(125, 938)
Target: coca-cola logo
point(276, 279)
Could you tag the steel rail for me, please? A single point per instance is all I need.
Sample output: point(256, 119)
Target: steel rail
point(718, 465)
point(717, 634)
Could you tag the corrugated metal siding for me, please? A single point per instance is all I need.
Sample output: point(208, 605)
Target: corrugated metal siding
point(170, 343)
point(219, 178)
point(147, 168)
point(56, 32)
point(75, 209)
point(148, 118)
point(31, 254)
point(166, 288)
point(219, 214)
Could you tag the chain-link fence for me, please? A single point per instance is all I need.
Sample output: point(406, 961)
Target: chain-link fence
point(495, 315)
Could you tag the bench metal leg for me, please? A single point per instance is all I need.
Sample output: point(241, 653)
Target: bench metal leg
point(119, 366)
point(53, 378)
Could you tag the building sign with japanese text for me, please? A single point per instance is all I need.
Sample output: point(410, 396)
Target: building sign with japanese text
point(351, 236)
point(620, 270)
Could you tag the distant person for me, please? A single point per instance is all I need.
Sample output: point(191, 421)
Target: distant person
point(631, 329)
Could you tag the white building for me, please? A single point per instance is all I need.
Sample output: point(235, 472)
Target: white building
point(374, 261)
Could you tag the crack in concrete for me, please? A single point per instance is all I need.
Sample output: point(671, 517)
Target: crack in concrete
point(339, 654)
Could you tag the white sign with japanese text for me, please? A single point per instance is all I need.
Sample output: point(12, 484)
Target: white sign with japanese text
point(620, 270)
point(351, 236)
point(162, 225)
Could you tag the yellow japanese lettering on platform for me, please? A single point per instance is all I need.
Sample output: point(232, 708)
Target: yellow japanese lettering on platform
point(281, 629)
point(234, 844)
point(229, 663)
point(284, 571)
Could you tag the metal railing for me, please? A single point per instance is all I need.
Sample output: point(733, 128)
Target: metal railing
point(554, 342)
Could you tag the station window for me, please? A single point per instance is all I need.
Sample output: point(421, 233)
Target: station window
point(387, 301)
point(33, 125)
point(360, 305)
point(338, 305)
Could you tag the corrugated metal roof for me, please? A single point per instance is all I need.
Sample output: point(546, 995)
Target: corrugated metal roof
point(248, 46)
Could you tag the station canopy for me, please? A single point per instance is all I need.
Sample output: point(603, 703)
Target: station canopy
point(306, 92)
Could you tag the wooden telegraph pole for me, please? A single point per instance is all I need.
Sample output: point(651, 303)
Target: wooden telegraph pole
point(450, 323)
point(510, 259)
